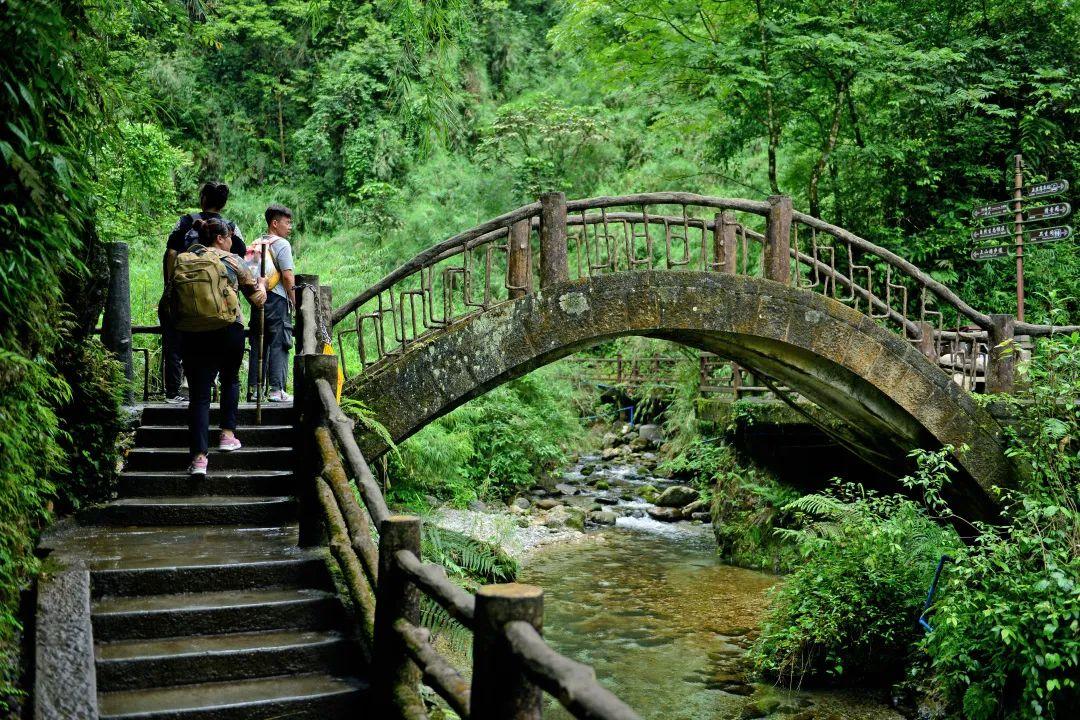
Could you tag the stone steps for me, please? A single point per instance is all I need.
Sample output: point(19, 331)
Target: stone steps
point(305, 697)
point(202, 605)
point(177, 458)
point(199, 510)
point(176, 415)
point(136, 664)
point(250, 435)
point(147, 483)
point(216, 612)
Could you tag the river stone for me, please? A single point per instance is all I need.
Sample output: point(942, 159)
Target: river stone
point(760, 708)
point(579, 501)
point(603, 517)
point(651, 433)
point(677, 496)
point(566, 489)
point(588, 469)
point(602, 485)
point(639, 443)
point(626, 429)
point(606, 500)
point(522, 503)
point(548, 503)
point(698, 506)
point(701, 516)
point(610, 439)
point(609, 453)
point(478, 506)
point(665, 514)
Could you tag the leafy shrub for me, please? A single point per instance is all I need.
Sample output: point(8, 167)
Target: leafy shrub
point(847, 614)
point(1006, 642)
point(91, 422)
point(492, 447)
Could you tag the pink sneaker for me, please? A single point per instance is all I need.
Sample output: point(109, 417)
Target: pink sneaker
point(198, 466)
point(229, 444)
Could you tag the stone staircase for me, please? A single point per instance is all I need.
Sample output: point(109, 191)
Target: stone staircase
point(202, 605)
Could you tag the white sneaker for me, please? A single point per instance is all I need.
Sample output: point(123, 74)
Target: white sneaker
point(276, 396)
point(178, 400)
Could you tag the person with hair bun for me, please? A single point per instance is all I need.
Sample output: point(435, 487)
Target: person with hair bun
point(212, 199)
point(208, 354)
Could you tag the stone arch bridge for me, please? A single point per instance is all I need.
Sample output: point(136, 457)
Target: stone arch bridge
point(848, 325)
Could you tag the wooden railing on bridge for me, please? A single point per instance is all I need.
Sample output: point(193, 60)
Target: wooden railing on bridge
point(554, 240)
point(634, 373)
point(512, 665)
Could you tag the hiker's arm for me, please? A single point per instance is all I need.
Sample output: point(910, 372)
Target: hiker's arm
point(288, 281)
point(167, 263)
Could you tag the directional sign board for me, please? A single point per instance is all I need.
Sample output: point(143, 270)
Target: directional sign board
point(988, 211)
point(1048, 235)
point(1048, 212)
point(991, 231)
point(989, 253)
point(1053, 187)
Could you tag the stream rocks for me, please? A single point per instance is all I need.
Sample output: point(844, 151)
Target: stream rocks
point(677, 496)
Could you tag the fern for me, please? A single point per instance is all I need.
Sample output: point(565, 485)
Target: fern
point(365, 418)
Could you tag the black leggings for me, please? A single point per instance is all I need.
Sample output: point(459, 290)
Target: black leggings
point(206, 354)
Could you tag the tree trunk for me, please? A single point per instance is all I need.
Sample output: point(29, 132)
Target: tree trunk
point(281, 128)
point(830, 143)
point(770, 108)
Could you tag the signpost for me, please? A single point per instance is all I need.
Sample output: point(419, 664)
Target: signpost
point(1021, 216)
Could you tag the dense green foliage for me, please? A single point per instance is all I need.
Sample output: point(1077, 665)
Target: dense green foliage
point(847, 614)
point(491, 448)
point(1007, 637)
point(1006, 618)
point(58, 391)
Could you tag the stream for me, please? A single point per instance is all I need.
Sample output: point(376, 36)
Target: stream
point(665, 624)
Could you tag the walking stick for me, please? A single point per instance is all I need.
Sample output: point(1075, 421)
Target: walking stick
point(262, 340)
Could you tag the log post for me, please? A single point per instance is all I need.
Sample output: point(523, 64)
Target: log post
point(926, 344)
point(116, 322)
point(1001, 365)
point(518, 264)
point(395, 677)
point(724, 242)
point(778, 239)
point(554, 265)
point(501, 690)
point(326, 311)
point(308, 462)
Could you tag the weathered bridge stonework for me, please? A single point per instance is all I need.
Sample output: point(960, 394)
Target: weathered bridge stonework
point(889, 395)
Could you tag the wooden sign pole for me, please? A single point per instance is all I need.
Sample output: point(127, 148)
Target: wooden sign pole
point(1018, 231)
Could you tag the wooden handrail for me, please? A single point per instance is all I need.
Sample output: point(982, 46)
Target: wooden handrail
point(438, 673)
point(572, 683)
point(432, 580)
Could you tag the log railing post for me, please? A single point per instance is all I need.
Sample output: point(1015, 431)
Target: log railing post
point(308, 463)
point(554, 265)
point(501, 690)
point(926, 344)
point(1001, 365)
point(518, 265)
point(116, 322)
point(778, 239)
point(724, 242)
point(395, 677)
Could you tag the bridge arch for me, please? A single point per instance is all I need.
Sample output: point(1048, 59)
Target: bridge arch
point(890, 396)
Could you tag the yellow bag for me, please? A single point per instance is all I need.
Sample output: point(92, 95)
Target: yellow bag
point(329, 350)
point(269, 267)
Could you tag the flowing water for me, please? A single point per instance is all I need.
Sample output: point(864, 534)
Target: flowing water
point(666, 625)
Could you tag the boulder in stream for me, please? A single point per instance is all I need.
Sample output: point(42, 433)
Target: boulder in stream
point(522, 503)
point(664, 514)
point(588, 469)
point(566, 489)
point(698, 506)
point(603, 517)
point(677, 496)
point(548, 503)
point(610, 440)
point(609, 453)
point(651, 433)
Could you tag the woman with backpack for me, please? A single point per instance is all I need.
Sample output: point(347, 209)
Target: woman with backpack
point(206, 309)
